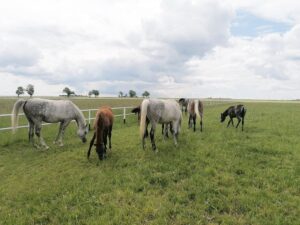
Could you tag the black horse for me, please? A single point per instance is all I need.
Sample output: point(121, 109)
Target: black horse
point(183, 102)
point(238, 111)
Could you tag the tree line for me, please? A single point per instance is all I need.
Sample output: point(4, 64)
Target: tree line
point(30, 90)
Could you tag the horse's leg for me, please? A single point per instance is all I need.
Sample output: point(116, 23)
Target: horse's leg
point(167, 130)
point(194, 122)
point(31, 132)
point(152, 132)
point(201, 123)
point(175, 125)
point(229, 122)
point(239, 120)
point(109, 136)
point(91, 144)
point(38, 128)
point(242, 123)
point(189, 123)
point(105, 134)
point(61, 132)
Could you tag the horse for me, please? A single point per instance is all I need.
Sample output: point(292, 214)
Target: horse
point(238, 111)
point(184, 104)
point(103, 127)
point(39, 110)
point(164, 127)
point(159, 111)
point(195, 109)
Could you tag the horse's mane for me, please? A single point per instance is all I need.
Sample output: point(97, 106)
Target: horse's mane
point(79, 115)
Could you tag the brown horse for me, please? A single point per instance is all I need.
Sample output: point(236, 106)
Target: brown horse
point(103, 126)
point(195, 108)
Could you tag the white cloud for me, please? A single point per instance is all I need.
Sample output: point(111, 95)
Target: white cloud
point(171, 48)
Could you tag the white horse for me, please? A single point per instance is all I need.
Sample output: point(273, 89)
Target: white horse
point(159, 111)
point(51, 111)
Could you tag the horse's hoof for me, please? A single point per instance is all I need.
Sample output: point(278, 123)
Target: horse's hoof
point(36, 146)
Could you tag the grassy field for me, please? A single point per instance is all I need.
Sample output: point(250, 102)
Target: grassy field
point(220, 176)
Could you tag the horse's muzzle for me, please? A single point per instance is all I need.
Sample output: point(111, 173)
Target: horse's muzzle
point(83, 140)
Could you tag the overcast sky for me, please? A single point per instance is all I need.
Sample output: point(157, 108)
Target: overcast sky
point(171, 48)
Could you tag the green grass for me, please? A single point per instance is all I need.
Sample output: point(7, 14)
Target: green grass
point(220, 176)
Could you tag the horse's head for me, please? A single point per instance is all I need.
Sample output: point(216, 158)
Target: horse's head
point(137, 110)
point(181, 100)
point(223, 117)
point(100, 150)
point(82, 131)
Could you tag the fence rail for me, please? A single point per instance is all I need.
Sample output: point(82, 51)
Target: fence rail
point(88, 119)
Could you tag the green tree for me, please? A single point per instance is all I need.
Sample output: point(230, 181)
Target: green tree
point(68, 91)
point(132, 94)
point(96, 93)
point(146, 94)
point(30, 89)
point(121, 94)
point(20, 91)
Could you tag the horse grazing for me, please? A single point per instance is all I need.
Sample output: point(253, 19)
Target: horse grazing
point(103, 126)
point(164, 127)
point(39, 110)
point(159, 111)
point(195, 109)
point(238, 111)
point(184, 104)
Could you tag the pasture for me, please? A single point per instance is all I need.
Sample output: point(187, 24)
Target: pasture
point(220, 176)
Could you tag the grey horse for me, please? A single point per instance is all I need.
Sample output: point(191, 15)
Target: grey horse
point(159, 111)
point(51, 111)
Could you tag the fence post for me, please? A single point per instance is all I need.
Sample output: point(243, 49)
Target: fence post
point(124, 115)
point(89, 119)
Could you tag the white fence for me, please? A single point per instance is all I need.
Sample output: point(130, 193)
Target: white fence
point(89, 119)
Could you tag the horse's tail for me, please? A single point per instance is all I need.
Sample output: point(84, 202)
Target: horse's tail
point(196, 105)
point(15, 113)
point(144, 109)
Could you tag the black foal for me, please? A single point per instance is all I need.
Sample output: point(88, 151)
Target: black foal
point(238, 111)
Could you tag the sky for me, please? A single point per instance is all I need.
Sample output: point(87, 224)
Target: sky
point(171, 48)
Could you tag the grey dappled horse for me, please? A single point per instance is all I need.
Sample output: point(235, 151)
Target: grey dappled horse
point(51, 111)
point(238, 111)
point(195, 109)
point(159, 111)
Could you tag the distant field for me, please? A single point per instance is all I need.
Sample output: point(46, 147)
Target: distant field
point(220, 176)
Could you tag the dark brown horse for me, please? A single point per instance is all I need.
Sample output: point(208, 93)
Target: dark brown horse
point(103, 126)
point(195, 109)
point(238, 111)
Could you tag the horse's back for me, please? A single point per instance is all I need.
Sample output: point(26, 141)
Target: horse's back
point(163, 110)
point(106, 113)
point(51, 110)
